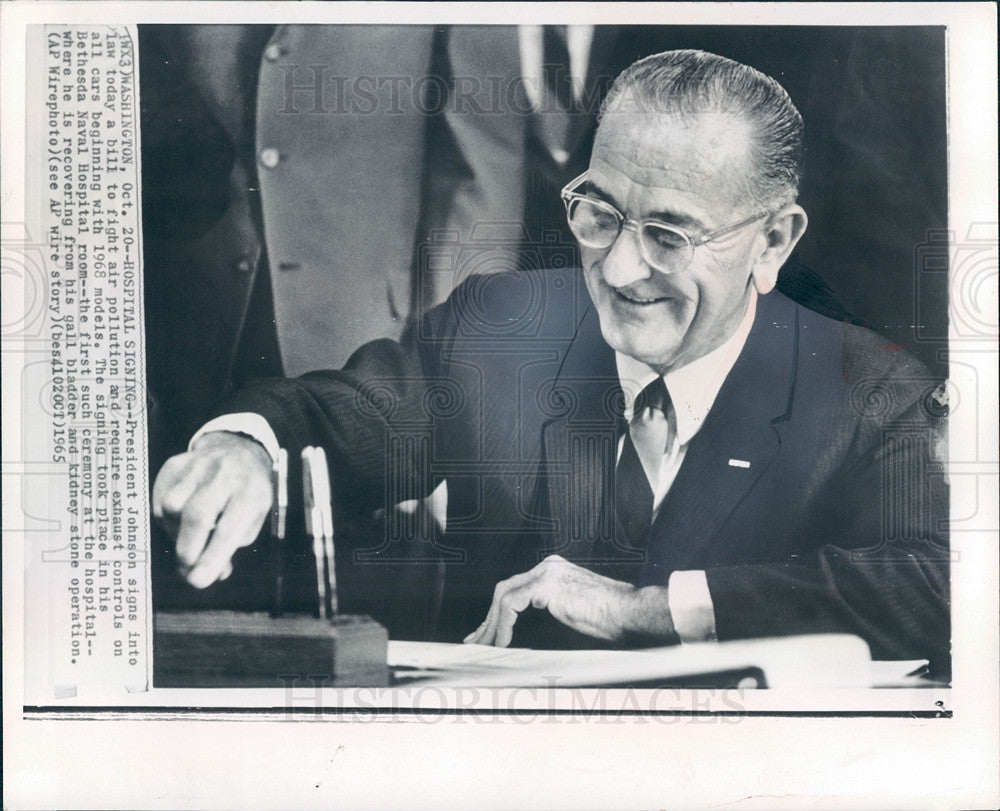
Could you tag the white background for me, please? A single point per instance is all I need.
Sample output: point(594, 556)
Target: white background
point(554, 762)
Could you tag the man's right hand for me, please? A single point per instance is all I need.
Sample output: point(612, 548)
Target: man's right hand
point(213, 500)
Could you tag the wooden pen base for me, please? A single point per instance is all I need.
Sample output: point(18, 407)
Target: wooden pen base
point(233, 649)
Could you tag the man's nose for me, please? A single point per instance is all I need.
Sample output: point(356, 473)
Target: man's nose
point(624, 263)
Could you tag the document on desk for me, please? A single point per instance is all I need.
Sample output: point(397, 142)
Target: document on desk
point(821, 660)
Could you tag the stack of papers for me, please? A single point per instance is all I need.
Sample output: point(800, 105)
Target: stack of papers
point(823, 660)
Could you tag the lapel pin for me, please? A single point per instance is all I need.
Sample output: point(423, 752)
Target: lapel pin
point(738, 463)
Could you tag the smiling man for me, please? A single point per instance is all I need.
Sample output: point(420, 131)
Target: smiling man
point(660, 301)
point(658, 448)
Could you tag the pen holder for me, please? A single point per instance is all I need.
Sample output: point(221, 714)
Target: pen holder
point(234, 649)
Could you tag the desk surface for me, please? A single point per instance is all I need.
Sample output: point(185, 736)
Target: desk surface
point(434, 676)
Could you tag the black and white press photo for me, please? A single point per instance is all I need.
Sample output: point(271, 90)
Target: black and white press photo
point(621, 315)
point(545, 393)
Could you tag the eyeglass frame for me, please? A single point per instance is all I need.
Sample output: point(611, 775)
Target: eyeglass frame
point(570, 195)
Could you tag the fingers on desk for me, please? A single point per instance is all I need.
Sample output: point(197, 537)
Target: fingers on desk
point(510, 598)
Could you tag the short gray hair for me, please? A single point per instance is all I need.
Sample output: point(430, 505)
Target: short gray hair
point(687, 83)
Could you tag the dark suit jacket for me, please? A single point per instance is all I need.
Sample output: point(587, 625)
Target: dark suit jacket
point(509, 392)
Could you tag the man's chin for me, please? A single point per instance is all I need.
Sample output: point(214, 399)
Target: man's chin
point(656, 357)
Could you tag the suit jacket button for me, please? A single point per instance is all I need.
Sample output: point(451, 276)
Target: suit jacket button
point(269, 157)
point(273, 52)
point(244, 266)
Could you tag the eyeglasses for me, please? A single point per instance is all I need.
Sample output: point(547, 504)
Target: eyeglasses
point(597, 224)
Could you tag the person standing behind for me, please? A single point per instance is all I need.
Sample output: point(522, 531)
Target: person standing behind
point(281, 183)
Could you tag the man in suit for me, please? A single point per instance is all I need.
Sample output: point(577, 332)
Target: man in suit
point(656, 448)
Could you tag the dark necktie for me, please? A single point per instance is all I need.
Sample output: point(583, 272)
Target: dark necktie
point(557, 106)
point(646, 440)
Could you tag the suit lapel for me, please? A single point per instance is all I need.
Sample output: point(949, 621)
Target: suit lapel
point(579, 441)
point(738, 442)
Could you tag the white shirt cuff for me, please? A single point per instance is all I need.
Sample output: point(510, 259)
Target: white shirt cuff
point(691, 606)
point(246, 423)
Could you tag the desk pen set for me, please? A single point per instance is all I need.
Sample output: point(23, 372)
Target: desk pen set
point(278, 649)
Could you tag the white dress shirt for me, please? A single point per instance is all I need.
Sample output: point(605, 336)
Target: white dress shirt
point(692, 388)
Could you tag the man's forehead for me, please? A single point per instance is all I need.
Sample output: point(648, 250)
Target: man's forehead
point(654, 148)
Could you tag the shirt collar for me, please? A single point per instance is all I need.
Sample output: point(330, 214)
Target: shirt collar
point(694, 387)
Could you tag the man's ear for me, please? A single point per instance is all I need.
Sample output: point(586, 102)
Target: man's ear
point(784, 231)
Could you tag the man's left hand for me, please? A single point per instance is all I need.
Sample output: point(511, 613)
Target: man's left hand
point(587, 602)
